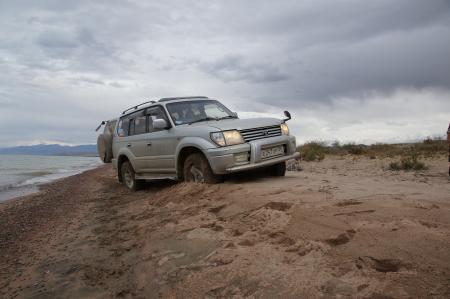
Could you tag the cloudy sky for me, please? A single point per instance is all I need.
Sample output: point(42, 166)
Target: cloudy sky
point(363, 71)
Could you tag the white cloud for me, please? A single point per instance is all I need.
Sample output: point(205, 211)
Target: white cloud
point(404, 115)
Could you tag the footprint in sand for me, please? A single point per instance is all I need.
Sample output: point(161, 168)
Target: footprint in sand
point(342, 238)
point(382, 265)
point(217, 209)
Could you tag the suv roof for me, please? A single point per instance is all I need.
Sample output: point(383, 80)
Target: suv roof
point(131, 109)
point(181, 98)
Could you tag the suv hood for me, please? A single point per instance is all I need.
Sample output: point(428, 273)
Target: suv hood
point(241, 124)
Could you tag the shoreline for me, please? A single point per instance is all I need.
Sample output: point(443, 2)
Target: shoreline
point(27, 214)
point(33, 184)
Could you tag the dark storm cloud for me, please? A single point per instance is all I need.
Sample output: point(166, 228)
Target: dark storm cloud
point(343, 21)
point(316, 57)
point(235, 68)
point(349, 48)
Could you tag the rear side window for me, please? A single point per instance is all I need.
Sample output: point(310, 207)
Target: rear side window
point(124, 127)
point(138, 123)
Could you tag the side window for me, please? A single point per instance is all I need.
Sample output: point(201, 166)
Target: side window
point(155, 113)
point(124, 127)
point(138, 123)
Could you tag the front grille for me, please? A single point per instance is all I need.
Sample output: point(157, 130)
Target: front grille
point(260, 133)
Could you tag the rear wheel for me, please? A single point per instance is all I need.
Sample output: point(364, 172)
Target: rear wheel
point(278, 169)
point(129, 177)
point(196, 169)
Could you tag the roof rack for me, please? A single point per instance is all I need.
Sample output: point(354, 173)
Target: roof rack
point(181, 98)
point(135, 107)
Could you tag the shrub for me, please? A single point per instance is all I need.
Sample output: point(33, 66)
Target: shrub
point(428, 140)
point(316, 150)
point(354, 149)
point(336, 144)
point(431, 147)
point(313, 151)
point(410, 162)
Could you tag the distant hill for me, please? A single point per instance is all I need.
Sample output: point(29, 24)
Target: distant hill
point(52, 150)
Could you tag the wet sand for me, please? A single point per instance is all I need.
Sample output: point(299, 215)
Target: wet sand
point(343, 227)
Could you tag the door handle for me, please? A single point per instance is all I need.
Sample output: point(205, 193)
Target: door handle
point(149, 143)
point(129, 145)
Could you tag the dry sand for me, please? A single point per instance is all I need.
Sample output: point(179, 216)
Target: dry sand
point(343, 227)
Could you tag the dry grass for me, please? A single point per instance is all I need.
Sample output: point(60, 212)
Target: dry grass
point(409, 152)
point(410, 162)
point(313, 151)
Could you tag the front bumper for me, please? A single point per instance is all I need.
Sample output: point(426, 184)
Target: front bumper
point(222, 160)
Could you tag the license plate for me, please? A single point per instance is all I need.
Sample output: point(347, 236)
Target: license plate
point(272, 152)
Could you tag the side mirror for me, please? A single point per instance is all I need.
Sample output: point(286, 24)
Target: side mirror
point(235, 114)
point(160, 124)
point(288, 115)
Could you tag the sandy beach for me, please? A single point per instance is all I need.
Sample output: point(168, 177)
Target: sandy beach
point(343, 227)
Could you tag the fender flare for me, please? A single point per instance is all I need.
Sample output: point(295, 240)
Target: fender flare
point(195, 142)
point(127, 154)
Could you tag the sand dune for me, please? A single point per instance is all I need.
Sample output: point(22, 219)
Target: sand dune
point(343, 227)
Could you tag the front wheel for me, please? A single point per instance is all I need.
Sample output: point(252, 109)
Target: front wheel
point(278, 169)
point(197, 169)
point(129, 177)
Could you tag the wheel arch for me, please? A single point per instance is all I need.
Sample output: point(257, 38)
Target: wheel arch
point(183, 153)
point(120, 160)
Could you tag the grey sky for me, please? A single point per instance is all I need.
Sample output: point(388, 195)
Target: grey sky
point(351, 70)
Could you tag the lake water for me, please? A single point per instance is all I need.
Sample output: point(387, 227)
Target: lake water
point(22, 174)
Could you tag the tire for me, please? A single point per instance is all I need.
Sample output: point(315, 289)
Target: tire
point(104, 147)
point(278, 169)
point(196, 169)
point(129, 177)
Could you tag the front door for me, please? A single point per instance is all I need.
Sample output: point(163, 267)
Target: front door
point(161, 144)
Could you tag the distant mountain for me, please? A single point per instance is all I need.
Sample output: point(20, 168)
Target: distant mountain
point(51, 150)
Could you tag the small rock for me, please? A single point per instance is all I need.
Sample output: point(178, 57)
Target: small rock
point(163, 260)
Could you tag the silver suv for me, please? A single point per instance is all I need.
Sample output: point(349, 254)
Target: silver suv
point(193, 139)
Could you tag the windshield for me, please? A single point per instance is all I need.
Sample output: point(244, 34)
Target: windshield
point(195, 111)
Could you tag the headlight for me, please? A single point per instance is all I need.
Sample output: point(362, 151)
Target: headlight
point(284, 129)
point(224, 138)
point(218, 138)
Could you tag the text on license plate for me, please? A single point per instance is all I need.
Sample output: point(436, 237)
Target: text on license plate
point(272, 152)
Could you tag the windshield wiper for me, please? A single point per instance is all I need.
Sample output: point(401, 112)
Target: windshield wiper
point(203, 119)
point(211, 118)
point(226, 117)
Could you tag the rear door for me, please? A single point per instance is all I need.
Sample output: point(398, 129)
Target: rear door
point(131, 134)
point(137, 140)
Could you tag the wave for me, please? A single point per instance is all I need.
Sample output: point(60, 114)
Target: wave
point(36, 178)
point(36, 173)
